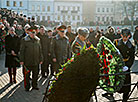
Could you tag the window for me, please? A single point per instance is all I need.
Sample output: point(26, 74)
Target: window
point(38, 18)
point(58, 8)
point(43, 8)
point(43, 18)
point(107, 9)
point(111, 9)
point(78, 8)
point(14, 3)
point(68, 8)
point(98, 18)
point(38, 7)
point(73, 17)
point(111, 18)
point(33, 7)
point(21, 4)
point(68, 17)
point(8, 3)
point(73, 8)
point(103, 9)
point(98, 10)
point(78, 17)
point(58, 17)
point(63, 17)
point(102, 18)
point(63, 7)
point(48, 8)
point(48, 17)
point(107, 18)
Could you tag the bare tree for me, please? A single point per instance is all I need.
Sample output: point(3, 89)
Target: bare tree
point(130, 8)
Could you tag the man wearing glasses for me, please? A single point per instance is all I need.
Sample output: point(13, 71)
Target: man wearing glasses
point(60, 50)
point(30, 58)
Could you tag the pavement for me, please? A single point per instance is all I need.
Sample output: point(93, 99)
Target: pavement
point(16, 92)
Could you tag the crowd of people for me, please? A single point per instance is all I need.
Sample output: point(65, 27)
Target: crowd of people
point(30, 45)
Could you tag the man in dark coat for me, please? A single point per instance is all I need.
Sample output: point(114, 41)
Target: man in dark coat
point(110, 34)
point(60, 48)
point(70, 35)
point(45, 42)
point(12, 46)
point(79, 41)
point(127, 50)
point(30, 58)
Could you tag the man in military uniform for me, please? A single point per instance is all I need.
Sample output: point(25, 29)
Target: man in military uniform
point(45, 50)
point(70, 35)
point(79, 41)
point(60, 50)
point(30, 58)
point(127, 50)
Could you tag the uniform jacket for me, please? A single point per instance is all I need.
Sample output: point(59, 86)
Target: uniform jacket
point(30, 51)
point(71, 36)
point(11, 43)
point(127, 51)
point(45, 44)
point(60, 49)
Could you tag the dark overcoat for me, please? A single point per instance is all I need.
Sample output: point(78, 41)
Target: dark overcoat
point(12, 43)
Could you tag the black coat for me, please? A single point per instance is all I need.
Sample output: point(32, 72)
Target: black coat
point(12, 43)
point(45, 44)
point(127, 51)
point(30, 51)
point(60, 49)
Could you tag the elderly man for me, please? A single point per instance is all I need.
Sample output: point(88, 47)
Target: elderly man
point(79, 41)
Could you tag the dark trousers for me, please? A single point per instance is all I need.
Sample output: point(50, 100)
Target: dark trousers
point(12, 71)
point(126, 89)
point(44, 68)
point(35, 72)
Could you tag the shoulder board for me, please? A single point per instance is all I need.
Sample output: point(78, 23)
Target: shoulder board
point(26, 38)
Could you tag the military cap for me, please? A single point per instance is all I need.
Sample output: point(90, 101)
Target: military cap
point(27, 26)
point(83, 31)
point(24, 16)
point(125, 32)
point(32, 29)
point(33, 18)
point(61, 27)
point(21, 14)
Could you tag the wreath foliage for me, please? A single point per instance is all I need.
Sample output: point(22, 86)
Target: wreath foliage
point(77, 79)
point(111, 63)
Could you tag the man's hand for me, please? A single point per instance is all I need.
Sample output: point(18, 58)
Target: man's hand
point(13, 53)
point(54, 60)
point(21, 63)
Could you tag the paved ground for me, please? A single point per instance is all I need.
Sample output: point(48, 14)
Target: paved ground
point(16, 93)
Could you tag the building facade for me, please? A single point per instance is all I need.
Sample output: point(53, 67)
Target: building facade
point(19, 6)
point(42, 10)
point(105, 12)
point(65, 11)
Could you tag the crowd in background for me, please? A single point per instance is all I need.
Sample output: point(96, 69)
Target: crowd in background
point(50, 48)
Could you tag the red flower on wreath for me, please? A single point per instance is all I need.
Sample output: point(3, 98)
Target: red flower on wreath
point(78, 54)
point(64, 69)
